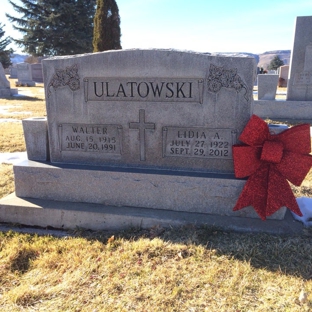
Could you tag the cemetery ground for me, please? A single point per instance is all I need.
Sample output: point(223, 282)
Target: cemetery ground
point(176, 269)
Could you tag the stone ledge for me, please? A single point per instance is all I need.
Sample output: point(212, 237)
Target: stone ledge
point(283, 109)
point(154, 189)
point(66, 215)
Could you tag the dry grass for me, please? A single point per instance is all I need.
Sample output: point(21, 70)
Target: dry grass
point(186, 269)
point(11, 137)
point(22, 108)
point(16, 109)
point(32, 104)
point(305, 189)
point(6, 180)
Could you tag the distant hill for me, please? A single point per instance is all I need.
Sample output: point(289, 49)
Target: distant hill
point(238, 54)
point(263, 59)
point(18, 58)
point(266, 57)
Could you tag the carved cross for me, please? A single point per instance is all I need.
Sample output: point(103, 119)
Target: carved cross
point(141, 126)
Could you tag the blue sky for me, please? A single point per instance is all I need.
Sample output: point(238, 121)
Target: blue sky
point(202, 25)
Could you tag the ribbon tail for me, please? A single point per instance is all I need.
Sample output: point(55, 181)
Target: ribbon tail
point(280, 194)
point(267, 191)
point(255, 192)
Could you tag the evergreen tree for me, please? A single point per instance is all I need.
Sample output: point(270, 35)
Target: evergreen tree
point(4, 52)
point(106, 33)
point(54, 27)
point(275, 63)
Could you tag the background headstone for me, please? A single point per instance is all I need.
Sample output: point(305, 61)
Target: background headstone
point(283, 76)
point(24, 75)
point(4, 84)
point(36, 72)
point(300, 78)
point(272, 72)
point(267, 85)
point(13, 72)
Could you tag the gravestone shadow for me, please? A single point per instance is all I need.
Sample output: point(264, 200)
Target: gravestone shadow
point(288, 254)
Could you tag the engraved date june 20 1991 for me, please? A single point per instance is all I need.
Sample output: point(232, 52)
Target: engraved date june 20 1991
point(90, 138)
point(198, 142)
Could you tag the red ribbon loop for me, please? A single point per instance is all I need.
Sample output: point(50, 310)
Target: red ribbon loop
point(269, 161)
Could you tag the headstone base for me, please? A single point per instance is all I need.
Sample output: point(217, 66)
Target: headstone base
point(192, 192)
point(14, 91)
point(65, 215)
point(5, 93)
point(8, 92)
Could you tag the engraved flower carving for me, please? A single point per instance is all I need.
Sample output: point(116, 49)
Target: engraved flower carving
point(214, 86)
point(68, 77)
point(74, 84)
point(237, 83)
point(227, 78)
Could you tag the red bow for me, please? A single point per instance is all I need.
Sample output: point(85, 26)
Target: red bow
point(269, 161)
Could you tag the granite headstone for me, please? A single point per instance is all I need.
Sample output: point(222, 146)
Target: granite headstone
point(300, 77)
point(156, 109)
point(143, 128)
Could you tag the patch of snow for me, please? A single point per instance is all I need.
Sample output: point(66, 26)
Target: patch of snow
point(305, 205)
point(23, 93)
point(12, 158)
point(9, 120)
point(4, 111)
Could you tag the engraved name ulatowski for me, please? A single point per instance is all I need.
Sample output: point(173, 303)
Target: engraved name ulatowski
point(143, 89)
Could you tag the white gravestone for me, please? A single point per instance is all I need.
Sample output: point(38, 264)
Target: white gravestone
point(157, 109)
